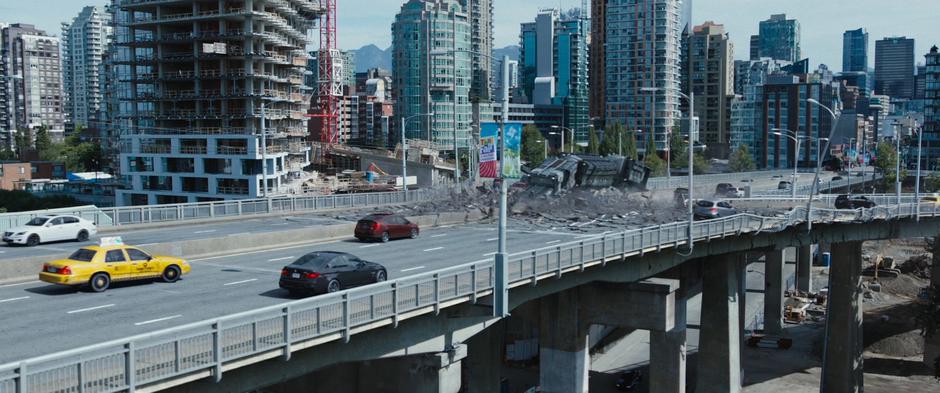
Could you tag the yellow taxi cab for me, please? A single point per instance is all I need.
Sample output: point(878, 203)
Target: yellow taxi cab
point(111, 261)
point(931, 199)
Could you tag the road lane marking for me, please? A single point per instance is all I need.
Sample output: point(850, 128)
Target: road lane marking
point(89, 309)
point(157, 320)
point(20, 283)
point(492, 239)
point(412, 269)
point(281, 259)
point(434, 249)
point(489, 254)
point(553, 242)
point(441, 235)
point(14, 299)
point(240, 282)
point(50, 248)
point(370, 245)
point(147, 244)
point(255, 269)
point(208, 231)
point(281, 224)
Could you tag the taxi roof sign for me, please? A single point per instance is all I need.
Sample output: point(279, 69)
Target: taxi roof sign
point(111, 241)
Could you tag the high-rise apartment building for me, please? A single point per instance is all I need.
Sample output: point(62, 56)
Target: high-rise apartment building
point(481, 43)
point(932, 108)
point(84, 43)
point(554, 67)
point(710, 75)
point(894, 67)
point(597, 72)
point(212, 98)
point(32, 66)
point(642, 52)
point(855, 51)
point(433, 74)
point(746, 108)
point(779, 38)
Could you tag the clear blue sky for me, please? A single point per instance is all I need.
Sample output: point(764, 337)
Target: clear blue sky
point(363, 22)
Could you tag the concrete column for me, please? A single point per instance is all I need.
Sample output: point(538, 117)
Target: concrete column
point(484, 360)
point(668, 354)
point(773, 292)
point(804, 268)
point(431, 373)
point(932, 344)
point(842, 359)
point(564, 358)
point(719, 358)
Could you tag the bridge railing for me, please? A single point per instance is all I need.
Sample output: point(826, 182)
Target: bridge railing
point(130, 215)
point(204, 348)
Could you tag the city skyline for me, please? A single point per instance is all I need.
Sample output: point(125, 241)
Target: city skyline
point(821, 32)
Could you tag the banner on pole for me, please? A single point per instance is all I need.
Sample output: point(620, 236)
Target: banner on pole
point(489, 166)
point(512, 151)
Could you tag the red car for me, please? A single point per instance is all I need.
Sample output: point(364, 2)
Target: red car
point(385, 226)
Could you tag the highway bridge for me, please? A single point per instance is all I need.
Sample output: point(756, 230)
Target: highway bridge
point(228, 318)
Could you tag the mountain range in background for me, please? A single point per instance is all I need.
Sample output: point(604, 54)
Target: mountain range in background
point(371, 56)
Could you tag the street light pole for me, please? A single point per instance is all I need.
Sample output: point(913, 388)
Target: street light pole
point(897, 165)
point(404, 151)
point(501, 295)
point(819, 155)
point(920, 141)
point(796, 157)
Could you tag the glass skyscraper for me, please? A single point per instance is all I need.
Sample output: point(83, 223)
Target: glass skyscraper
point(855, 51)
point(433, 73)
point(779, 38)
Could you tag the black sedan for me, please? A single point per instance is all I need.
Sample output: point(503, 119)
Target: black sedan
point(329, 271)
point(853, 202)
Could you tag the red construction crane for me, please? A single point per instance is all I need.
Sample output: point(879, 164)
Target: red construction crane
point(330, 84)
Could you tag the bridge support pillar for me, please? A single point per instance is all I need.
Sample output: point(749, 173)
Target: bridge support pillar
point(719, 359)
point(774, 284)
point(804, 268)
point(932, 344)
point(668, 354)
point(564, 358)
point(484, 359)
point(842, 360)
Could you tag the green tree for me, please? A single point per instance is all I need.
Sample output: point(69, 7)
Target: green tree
point(613, 138)
point(629, 144)
point(43, 143)
point(594, 144)
point(656, 165)
point(23, 141)
point(533, 148)
point(886, 162)
point(741, 160)
point(932, 183)
point(18, 201)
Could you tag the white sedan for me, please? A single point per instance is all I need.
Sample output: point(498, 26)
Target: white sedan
point(42, 229)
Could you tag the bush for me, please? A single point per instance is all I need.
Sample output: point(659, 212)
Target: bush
point(20, 201)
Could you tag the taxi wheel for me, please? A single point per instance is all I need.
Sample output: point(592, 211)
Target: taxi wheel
point(99, 282)
point(171, 274)
point(82, 236)
point(32, 240)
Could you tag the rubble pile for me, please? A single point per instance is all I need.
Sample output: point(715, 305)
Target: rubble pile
point(584, 210)
point(918, 266)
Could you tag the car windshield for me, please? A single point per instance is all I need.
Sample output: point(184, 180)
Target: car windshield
point(38, 221)
point(705, 203)
point(83, 255)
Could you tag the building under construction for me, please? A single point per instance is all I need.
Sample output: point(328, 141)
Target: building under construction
point(211, 92)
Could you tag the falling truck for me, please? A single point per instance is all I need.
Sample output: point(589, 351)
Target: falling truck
point(557, 175)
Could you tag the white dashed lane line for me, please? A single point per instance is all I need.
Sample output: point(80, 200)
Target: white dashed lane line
point(280, 259)
point(492, 239)
point(208, 231)
point(13, 299)
point(553, 242)
point(240, 282)
point(19, 283)
point(441, 235)
point(157, 320)
point(411, 269)
point(89, 309)
point(434, 249)
point(370, 245)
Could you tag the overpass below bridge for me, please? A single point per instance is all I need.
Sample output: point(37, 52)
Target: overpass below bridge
point(427, 323)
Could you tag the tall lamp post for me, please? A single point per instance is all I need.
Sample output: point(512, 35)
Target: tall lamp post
point(819, 156)
point(404, 151)
point(795, 136)
point(691, 98)
point(920, 145)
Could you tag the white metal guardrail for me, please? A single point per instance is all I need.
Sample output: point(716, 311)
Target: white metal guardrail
point(204, 347)
point(662, 183)
point(129, 215)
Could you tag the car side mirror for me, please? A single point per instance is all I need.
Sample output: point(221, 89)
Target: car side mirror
point(149, 258)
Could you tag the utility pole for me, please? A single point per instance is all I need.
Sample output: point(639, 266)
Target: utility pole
point(501, 295)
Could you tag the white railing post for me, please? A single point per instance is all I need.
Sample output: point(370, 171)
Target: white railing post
point(346, 318)
point(22, 380)
point(395, 304)
point(130, 367)
point(437, 294)
point(287, 332)
point(216, 352)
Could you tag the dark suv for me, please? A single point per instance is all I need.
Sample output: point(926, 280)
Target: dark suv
point(853, 202)
point(727, 190)
point(385, 226)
